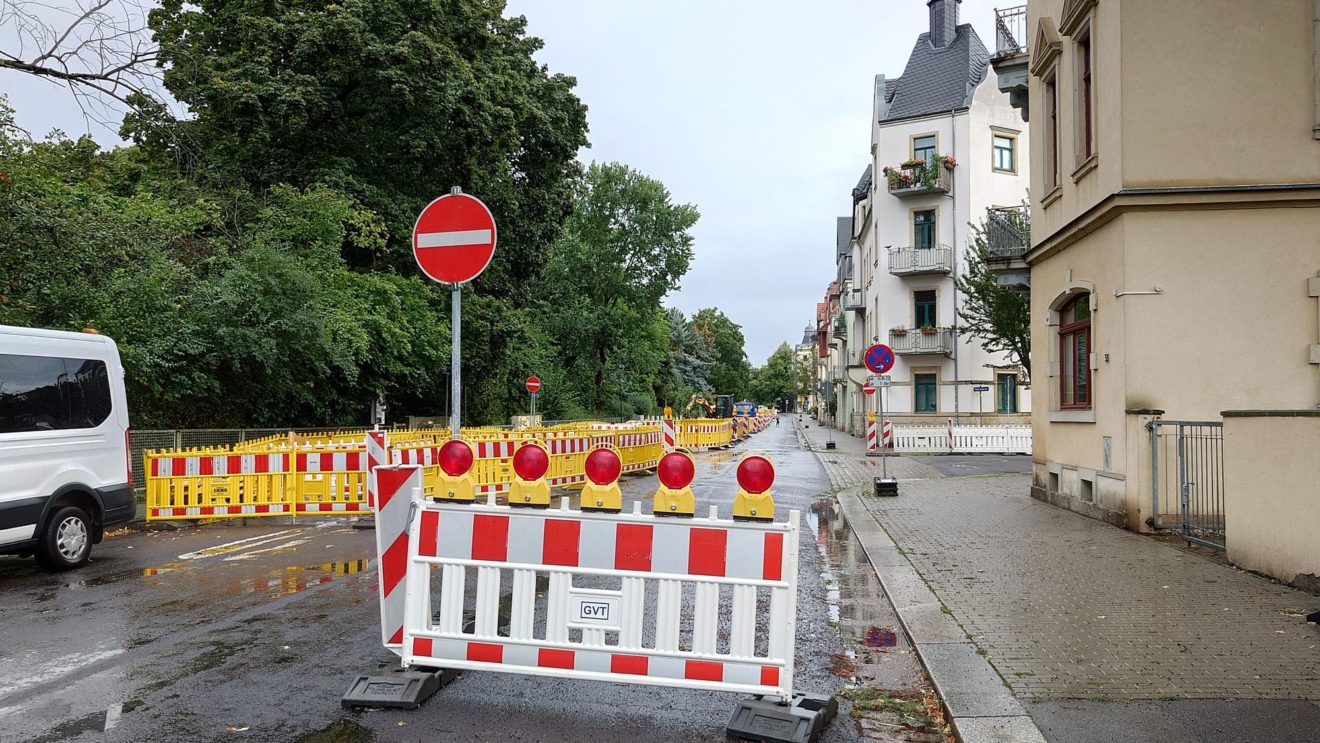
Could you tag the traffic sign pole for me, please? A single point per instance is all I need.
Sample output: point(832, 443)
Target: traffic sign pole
point(453, 242)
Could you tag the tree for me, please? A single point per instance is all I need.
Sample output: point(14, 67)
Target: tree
point(625, 246)
point(99, 49)
point(686, 369)
point(731, 374)
point(777, 381)
point(391, 102)
point(997, 316)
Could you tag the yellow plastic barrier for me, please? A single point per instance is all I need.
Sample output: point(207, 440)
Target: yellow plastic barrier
point(325, 474)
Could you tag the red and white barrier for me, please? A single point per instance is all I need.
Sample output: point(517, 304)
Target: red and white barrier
point(377, 454)
point(870, 433)
point(594, 632)
point(671, 435)
point(887, 434)
point(398, 486)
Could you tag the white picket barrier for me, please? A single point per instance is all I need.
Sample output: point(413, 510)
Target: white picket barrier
point(615, 609)
point(962, 439)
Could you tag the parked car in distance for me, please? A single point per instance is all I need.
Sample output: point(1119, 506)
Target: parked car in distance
point(65, 471)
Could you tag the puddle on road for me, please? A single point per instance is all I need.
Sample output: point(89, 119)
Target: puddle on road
point(287, 581)
point(857, 600)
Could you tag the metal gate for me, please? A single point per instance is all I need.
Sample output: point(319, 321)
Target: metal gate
point(1187, 468)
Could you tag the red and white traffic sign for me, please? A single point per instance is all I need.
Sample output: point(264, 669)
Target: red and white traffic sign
point(533, 383)
point(868, 389)
point(454, 238)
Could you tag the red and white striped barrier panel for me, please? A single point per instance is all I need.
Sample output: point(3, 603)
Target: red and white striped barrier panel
point(870, 433)
point(600, 567)
point(887, 435)
point(223, 464)
point(398, 487)
point(258, 509)
point(950, 435)
point(377, 454)
point(671, 436)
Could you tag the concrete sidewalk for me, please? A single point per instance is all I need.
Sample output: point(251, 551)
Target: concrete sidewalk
point(1101, 634)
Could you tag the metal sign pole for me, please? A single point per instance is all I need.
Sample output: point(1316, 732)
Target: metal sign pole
point(884, 454)
point(455, 372)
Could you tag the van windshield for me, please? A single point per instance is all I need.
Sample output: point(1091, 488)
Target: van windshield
point(44, 393)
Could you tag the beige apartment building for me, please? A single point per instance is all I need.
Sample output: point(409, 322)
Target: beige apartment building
point(1174, 264)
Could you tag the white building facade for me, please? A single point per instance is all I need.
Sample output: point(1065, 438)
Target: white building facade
point(946, 147)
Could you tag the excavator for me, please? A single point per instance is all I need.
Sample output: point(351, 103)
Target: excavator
point(721, 408)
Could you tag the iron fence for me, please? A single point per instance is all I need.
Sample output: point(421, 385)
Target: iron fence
point(1007, 231)
point(1187, 479)
point(1010, 31)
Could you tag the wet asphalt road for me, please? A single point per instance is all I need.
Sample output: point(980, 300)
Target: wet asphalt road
point(252, 631)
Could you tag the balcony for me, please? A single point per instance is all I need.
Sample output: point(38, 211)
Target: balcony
point(854, 301)
point(1007, 239)
point(920, 178)
point(837, 374)
point(922, 341)
point(1012, 55)
point(841, 327)
point(921, 261)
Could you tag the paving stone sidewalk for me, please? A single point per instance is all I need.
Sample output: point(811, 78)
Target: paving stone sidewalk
point(1066, 607)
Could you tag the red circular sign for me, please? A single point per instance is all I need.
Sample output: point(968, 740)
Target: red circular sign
point(868, 389)
point(454, 238)
point(533, 383)
point(879, 358)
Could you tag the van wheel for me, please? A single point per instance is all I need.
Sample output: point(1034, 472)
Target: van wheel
point(66, 541)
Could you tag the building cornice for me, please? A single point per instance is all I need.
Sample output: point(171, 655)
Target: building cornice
point(1176, 198)
point(911, 119)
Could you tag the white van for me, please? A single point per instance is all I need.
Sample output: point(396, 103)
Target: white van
point(65, 472)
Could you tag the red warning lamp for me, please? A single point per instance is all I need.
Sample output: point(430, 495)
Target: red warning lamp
point(455, 458)
point(603, 466)
point(756, 474)
point(675, 470)
point(530, 462)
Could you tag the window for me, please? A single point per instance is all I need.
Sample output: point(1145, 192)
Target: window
point(41, 393)
point(1085, 100)
point(1004, 155)
point(923, 308)
point(923, 228)
point(1051, 134)
point(1006, 393)
point(923, 390)
point(923, 148)
point(1075, 346)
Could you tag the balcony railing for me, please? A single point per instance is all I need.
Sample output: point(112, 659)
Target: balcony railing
point(837, 374)
point(920, 177)
point(854, 301)
point(1010, 31)
point(1007, 232)
point(841, 327)
point(922, 341)
point(918, 261)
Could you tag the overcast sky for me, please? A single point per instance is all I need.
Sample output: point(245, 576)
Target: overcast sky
point(756, 111)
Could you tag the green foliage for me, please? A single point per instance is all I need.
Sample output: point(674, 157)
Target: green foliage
point(731, 373)
point(997, 316)
point(778, 380)
point(624, 246)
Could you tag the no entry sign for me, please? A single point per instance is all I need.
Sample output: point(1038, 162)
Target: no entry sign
point(868, 389)
point(533, 384)
point(454, 238)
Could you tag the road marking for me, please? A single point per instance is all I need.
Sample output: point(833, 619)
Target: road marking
point(233, 546)
point(57, 667)
point(276, 548)
point(453, 239)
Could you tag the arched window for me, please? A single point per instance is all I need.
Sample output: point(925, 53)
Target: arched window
point(1075, 344)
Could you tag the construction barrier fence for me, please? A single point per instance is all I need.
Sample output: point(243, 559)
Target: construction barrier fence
point(296, 474)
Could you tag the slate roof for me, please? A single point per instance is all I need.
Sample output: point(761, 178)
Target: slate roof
point(843, 235)
point(938, 80)
point(863, 186)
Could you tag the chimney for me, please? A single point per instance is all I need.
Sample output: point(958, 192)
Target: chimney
point(943, 21)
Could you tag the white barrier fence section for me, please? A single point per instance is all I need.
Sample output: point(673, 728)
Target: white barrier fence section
point(615, 605)
point(962, 439)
